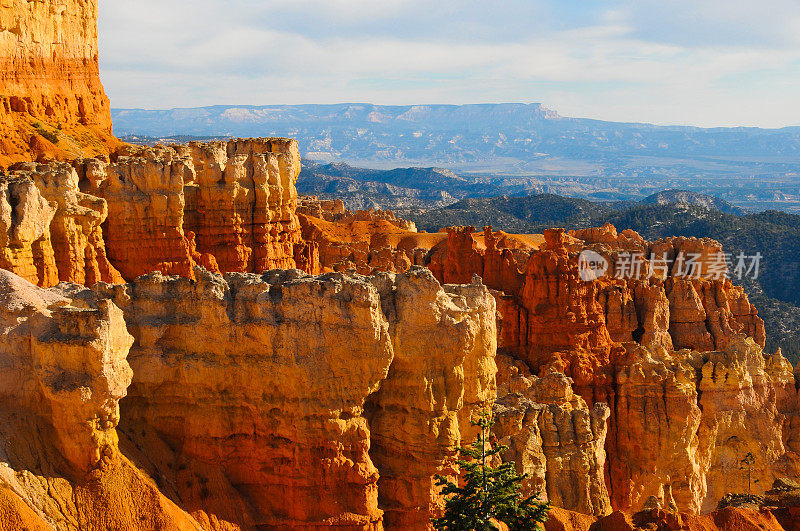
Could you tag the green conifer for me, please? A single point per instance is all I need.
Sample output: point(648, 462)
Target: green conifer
point(487, 495)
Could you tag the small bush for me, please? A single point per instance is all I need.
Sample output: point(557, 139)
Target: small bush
point(50, 136)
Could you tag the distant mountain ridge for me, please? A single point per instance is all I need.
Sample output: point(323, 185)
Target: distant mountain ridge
point(688, 198)
point(511, 149)
point(358, 132)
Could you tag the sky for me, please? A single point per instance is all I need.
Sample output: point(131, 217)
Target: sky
point(689, 62)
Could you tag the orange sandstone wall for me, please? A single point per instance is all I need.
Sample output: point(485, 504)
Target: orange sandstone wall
point(64, 372)
point(227, 206)
point(49, 78)
point(289, 401)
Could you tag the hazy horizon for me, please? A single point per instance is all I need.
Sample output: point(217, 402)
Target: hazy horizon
point(683, 63)
point(428, 104)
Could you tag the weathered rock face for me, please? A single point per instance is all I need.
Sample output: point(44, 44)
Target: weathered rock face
point(241, 204)
point(246, 407)
point(64, 360)
point(333, 210)
point(63, 373)
point(365, 245)
point(50, 84)
point(443, 371)
point(75, 230)
point(228, 206)
point(276, 421)
point(25, 246)
point(273, 407)
point(553, 437)
point(224, 205)
point(683, 420)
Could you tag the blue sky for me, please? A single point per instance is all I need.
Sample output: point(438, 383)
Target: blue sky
point(707, 63)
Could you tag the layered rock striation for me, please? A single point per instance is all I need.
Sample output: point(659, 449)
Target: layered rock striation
point(52, 103)
point(245, 407)
point(63, 373)
point(333, 210)
point(276, 422)
point(683, 420)
point(553, 437)
point(228, 206)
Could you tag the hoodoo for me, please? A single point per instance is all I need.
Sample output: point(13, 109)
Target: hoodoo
point(183, 347)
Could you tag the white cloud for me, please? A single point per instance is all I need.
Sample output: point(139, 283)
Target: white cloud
point(620, 66)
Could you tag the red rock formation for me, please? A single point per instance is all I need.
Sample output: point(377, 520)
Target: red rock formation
point(553, 437)
point(443, 371)
point(225, 206)
point(228, 206)
point(75, 230)
point(242, 200)
point(363, 246)
point(333, 210)
point(52, 104)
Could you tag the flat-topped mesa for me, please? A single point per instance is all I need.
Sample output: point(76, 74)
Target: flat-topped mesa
point(52, 103)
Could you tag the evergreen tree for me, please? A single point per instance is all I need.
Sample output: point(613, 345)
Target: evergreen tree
point(487, 495)
point(747, 464)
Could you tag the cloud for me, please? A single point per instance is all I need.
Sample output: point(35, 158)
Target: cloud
point(610, 60)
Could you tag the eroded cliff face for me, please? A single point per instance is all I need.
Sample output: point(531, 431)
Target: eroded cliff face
point(298, 401)
point(52, 104)
point(444, 343)
point(25, 218)
point(683, 421)
point(228, 206)
point(63, 374)
point(282, 400)
point(671, 357)
point(553, 437)
point(613, 391)
point(246, 408)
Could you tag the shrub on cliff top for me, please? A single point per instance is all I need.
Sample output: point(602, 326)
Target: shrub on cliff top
point(487, 495)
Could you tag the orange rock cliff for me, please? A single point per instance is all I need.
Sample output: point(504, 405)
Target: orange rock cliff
point(186, 344)
point(52, 104)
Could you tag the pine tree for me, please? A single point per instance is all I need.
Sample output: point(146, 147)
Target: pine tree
point(487, 495)
point(747, 464)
